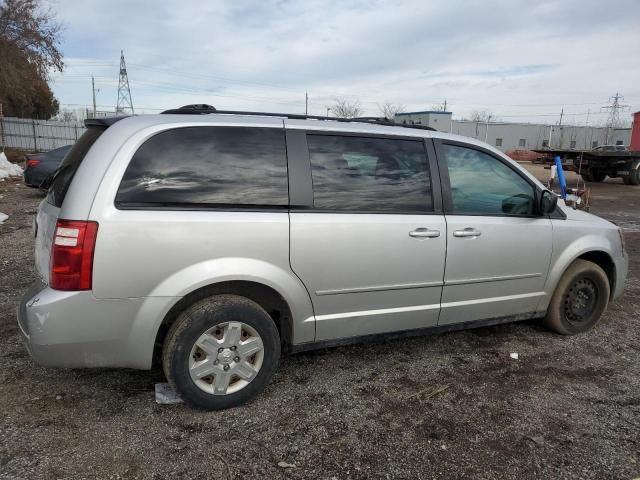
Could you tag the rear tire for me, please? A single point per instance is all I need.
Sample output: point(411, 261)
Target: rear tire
point(221, 352)
point(580, 299)
point(586, 176)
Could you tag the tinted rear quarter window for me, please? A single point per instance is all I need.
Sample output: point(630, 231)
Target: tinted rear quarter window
point(65, 173)
point(208, 166)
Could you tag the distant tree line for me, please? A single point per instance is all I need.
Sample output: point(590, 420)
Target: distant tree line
point(29, 51)
point(343, 108)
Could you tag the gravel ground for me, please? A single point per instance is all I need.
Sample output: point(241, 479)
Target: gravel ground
point(446, 406)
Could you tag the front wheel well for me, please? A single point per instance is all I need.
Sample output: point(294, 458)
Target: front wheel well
point(268, 298)
point(604, 261)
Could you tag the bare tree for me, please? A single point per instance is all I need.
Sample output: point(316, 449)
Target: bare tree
point(390, 110)
point(25, 25)
point(66, 115)
point(29, 50)
point(343, 108)
point(480, 116)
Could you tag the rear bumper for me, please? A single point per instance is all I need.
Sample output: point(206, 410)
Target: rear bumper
point(34, 179)
point(75, 330)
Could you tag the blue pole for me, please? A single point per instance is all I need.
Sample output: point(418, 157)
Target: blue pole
point(561, 179)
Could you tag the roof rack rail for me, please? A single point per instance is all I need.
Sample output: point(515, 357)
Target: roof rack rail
point(196, 108)
point(201, 108)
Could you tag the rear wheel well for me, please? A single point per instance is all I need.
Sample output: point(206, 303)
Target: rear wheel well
point(604, 261)
point(265, 296)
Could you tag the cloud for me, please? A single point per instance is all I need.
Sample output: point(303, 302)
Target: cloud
point(264, 55)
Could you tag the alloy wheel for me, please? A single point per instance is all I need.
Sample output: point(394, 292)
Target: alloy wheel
point(226, 358)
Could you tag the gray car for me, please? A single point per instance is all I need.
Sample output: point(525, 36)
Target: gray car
point(213, 241)
point(39, 167)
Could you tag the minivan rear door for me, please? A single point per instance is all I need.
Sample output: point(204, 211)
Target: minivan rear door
point(49, 209)
point(368, 238)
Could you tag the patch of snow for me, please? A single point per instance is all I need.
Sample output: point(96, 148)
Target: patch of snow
point(3, 217)
point(8, 169)
point(166, 395)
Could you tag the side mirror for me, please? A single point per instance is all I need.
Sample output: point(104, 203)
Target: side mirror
point(548, 202)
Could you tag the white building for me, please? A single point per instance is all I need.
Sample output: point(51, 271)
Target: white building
point(514, 136)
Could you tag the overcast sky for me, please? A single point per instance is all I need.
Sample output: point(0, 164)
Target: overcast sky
point(520, 60)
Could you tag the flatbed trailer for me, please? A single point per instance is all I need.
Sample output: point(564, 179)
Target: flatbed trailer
point(595, 166)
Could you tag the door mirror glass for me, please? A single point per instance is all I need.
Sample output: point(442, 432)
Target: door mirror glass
point(548, 202)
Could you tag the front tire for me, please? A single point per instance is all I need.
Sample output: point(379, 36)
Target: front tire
point(221, 352)
point(580, 299)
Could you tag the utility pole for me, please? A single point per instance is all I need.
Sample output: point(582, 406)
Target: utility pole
point(1, 129)
point(444, 108)
point(328, 108)
point(93, 90)
point(306, 103)
point(124, 92)
point(586, 129)
point(560, 127)
point(486, 131)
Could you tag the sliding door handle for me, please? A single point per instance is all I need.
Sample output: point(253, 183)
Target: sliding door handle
point(467, 232)
point(424, 233)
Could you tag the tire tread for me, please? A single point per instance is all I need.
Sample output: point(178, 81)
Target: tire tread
point(554, 320)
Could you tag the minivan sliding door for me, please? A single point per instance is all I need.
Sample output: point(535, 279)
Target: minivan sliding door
point(369, 244)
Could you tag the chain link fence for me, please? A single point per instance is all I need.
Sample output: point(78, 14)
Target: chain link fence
point(38, 135)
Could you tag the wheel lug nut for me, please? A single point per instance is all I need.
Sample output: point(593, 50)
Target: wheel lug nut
point(226, 367)
point(220, 350)
point(215, 362)
point(237, 359)
point(234, 347)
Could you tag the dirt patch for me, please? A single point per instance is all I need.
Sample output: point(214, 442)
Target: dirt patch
point(569, 407)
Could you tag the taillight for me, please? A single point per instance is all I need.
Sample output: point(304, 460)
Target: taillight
point(72, 255)
point(33, 162)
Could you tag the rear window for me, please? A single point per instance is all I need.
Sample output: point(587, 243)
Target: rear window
point(208, 166)
point(64, 174)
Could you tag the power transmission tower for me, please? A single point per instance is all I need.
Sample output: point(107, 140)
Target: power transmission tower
point(124, 92)
point(613, 121)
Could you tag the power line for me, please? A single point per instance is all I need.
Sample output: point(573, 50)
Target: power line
point(320, 96)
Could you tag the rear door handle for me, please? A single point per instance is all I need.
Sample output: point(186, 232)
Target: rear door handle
point(424, 233)
point(467, 232)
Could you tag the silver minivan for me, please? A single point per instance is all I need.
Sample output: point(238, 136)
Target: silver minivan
point(213, 241)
